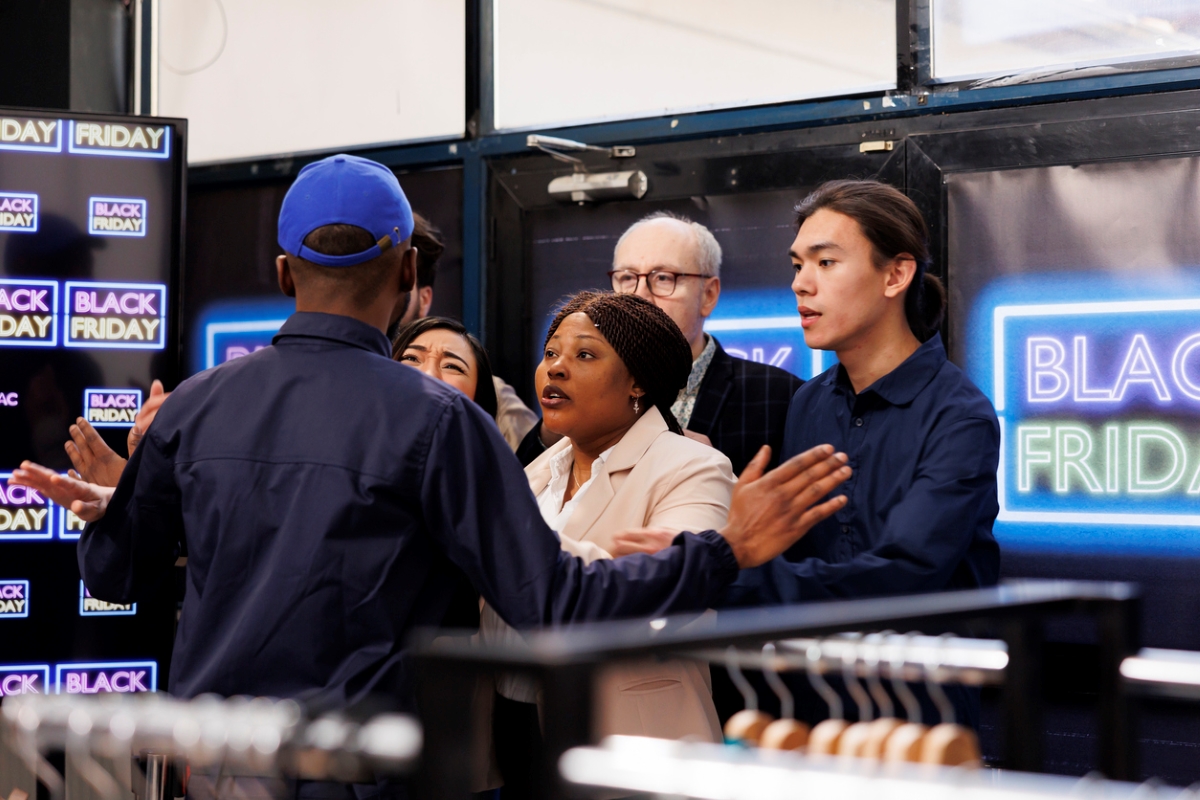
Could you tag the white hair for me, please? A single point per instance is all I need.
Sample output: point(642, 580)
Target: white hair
point(708, 250)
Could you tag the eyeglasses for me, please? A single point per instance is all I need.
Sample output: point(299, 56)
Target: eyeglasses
point(660, 282)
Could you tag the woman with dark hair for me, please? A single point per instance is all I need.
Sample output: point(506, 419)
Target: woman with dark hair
point(611, 368)
point(444, 350)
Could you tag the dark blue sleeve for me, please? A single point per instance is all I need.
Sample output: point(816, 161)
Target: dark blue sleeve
point(926, 534)
point(477, 504)
point(124, 554)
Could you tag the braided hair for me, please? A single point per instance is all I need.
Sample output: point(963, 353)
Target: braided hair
point(648, 341)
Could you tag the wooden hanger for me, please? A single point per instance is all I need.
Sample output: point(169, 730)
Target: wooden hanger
point(904, 742)
point(886, 723)
point(746, 726)
point(823, 739)
point(855, 737)
point(785, 733)
point(947, 743)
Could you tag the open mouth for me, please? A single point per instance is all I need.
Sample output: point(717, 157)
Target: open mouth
point(807, 316)
point(553, 397)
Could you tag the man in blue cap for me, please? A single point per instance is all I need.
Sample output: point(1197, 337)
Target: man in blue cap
point(326, 492)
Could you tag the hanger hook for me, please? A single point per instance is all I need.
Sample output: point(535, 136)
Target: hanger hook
point(739, 680)
point(872, 655)
point(849, 669)
point(787, 704)
point(813, 658)
point(912, 707)
point(936, 692)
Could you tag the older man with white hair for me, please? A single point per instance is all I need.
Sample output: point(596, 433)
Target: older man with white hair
point(733, 404)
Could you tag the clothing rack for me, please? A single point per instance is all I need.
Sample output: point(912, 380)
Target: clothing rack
point(660, 768)
point(100, 734)
point(448, 666)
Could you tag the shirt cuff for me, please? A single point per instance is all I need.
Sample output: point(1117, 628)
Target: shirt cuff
point(727, 568)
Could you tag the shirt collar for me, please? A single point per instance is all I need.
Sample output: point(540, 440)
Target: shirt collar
point(334, 328)
point(906, 381)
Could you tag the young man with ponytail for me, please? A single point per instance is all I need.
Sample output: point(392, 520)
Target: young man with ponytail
point(922, 439)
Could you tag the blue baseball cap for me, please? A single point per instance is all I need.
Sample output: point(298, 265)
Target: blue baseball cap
point(344, 190)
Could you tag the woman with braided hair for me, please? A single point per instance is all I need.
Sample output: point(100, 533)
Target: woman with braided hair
point(612, 366)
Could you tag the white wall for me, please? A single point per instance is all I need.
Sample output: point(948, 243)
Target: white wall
point(272, 77)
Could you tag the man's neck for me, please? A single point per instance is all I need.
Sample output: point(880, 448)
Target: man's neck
point(698, 344)
point(877, 353)
point(377, 315)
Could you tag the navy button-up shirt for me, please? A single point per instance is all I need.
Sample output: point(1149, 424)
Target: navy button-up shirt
point(326, 495)
point(924, 444)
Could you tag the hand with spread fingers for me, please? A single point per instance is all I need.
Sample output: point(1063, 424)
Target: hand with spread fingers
point(144, 417)
point(771, 512)
point(94, 461)
point(89, 501)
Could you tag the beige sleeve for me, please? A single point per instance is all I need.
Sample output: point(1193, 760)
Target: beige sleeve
point(698, 499)
point(512, 416)
point(588, 551)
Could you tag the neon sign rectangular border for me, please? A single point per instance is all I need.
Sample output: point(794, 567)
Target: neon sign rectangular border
point(36, 206)
point(26, 584)
point(83, 595)
point(87, 393)
point(92, 216)
point(100, 151)
point(40, 148)
point(1003, 313)
point(53, 311)
point(44, 669)
point(152, 666)
point(62, 525)
point(36, 537)
point(162, 316)
point(214, 329)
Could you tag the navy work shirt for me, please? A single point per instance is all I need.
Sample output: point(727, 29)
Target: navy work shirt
point(324, 491)
point(924, 443)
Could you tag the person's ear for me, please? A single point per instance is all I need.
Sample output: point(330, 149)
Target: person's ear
point(408, 269)
point(424, 301)
point(287, 282)
point(712, 293)
point(898, 275)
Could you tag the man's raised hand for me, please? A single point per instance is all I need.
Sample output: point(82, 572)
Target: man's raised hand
point(144, 417)
point(769, 513)
point(94, 460)
point(88, 500)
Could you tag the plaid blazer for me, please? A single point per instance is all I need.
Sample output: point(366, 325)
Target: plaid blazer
point(743, 405)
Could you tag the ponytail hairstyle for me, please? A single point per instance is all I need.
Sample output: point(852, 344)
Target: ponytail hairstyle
point(650, 344)
point(893, 225)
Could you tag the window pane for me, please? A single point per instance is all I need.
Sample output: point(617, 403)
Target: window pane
point(570, 61)
point(267, 77)
point(981, 38)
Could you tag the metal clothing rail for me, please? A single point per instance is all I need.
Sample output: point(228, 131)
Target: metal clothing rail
point(242, 736)
point(448, 667)
point(656, 767)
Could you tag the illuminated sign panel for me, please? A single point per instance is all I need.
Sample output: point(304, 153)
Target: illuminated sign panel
point(129, 316)
point(14, 599)
point(18, 679)
point(115, 139)
point(102, 677)
point(70, 526)
point(18, 212)
point(24, 514)
point(92, 607)
point(28, 313)
point(111, 408)
point(32, 134)
point(116, 216)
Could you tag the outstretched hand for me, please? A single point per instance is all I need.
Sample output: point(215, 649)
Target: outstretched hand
point(771, 512)
point(89, 501)
point(144, 417)
point(94, 461)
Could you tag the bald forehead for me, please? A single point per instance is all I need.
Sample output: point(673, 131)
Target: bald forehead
point(667, 243)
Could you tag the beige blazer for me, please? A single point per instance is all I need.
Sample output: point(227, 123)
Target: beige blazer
point(652, 479)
